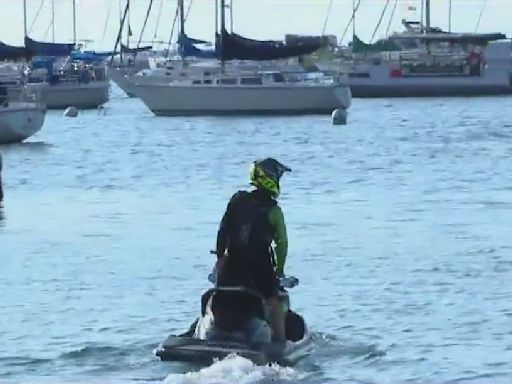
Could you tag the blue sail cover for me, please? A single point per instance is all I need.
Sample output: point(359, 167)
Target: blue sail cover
point(9, 52)
point(187, 48)
point(235, 47)
point(48, 49)
point(90, 56)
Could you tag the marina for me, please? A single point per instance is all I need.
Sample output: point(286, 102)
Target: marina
point(146, 234)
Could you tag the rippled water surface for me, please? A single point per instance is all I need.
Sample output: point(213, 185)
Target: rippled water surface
point(400, 231)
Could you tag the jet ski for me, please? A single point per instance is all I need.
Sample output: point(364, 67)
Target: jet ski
point(235, 320)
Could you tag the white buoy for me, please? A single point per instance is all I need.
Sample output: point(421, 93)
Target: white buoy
point(339, 116)
point(71, 112)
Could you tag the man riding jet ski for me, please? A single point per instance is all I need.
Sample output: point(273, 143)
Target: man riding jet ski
point(248, 312)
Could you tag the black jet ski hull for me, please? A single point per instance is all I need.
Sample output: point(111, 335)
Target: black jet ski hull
point(188, 349)
point(233, 321)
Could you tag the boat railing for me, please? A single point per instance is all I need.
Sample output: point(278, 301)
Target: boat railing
point(76, 77)
point(250, 78)
point(22, 93)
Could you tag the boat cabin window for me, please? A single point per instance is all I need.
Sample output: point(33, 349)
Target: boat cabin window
point(278, 77)
point(251, 80)
point(227, 81)
point(359, 74)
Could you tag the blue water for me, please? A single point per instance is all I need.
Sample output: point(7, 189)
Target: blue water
point(400, 232)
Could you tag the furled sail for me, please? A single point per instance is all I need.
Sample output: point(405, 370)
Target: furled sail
point(9, 52)
point(125, 49)
point(48, 49)
point(233, 46)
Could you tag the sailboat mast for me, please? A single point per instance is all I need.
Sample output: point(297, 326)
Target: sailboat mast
point(25, 17)
point(427, 15)
point(182, 17)
point(181, 35)
point(53, 21)
point(121, 25)
point(353, 19)
point(120, 33)
point(231, 15)
point(222, 29)
point(216, 16)
point(128, 30)
point(422, 15)
point(449, 15)
point(74, 22)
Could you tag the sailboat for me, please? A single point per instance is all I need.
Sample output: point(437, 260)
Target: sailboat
point(62, 79)
point(235, 91)
point(427, 61)
point(19, 118)
point(130, 60)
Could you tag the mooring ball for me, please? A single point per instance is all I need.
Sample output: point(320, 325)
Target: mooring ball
point(339, 117)
point(71, 112)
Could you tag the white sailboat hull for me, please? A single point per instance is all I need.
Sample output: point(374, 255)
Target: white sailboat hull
point(82, 96)
point(19, 121)
point(416, 90)
point(123, 78)
point(390, 77)
point(183, 100)
point(380, 84)
point(63, 95)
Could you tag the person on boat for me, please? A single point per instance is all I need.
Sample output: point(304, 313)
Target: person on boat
point(251, 222)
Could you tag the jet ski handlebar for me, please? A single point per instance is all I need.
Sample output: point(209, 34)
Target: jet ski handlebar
point(287, 282)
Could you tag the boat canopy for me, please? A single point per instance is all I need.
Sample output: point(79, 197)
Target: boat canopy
point(233, 47)
point(48, 49)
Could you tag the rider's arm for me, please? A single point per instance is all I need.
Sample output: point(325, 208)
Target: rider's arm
point(276, 218)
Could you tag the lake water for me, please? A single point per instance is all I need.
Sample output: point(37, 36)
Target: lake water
point(399, 223)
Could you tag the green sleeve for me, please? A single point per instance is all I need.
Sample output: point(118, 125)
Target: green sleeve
point(280, 238)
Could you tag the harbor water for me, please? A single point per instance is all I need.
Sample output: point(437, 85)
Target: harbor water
point(399, 225)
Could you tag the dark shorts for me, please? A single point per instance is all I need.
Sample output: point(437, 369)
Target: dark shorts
point(258, 276)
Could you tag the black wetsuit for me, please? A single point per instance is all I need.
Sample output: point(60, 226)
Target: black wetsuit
point(1, 188)
point(247, 233)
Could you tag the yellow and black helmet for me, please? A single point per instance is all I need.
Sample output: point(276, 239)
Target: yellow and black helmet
point(265, 174)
